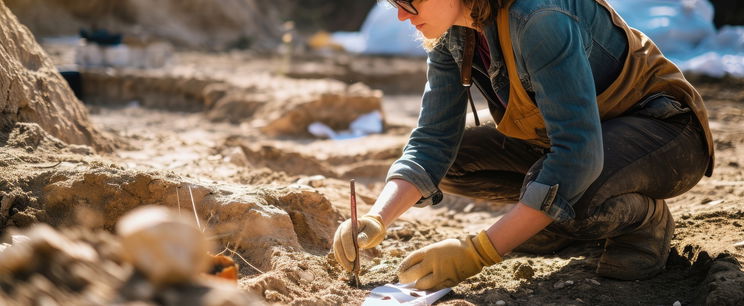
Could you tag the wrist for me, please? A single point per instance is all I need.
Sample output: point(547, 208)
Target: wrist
point(485, 249)
point(377, 219)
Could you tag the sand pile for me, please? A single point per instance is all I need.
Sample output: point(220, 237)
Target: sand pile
point(31, 89)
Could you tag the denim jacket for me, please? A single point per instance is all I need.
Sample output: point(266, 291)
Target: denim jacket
point(567, 52)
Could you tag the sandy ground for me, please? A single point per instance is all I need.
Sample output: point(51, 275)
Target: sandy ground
point(709, 218)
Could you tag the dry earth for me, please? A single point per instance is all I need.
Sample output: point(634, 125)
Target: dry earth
point(277, 200)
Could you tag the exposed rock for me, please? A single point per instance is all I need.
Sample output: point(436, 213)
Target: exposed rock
point(31, 89)
point(206, 24)
point(165, 246)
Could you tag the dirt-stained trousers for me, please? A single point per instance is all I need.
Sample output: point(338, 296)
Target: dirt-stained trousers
point(645, 158)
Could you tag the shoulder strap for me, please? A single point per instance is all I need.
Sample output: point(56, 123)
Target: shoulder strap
point(466, 71)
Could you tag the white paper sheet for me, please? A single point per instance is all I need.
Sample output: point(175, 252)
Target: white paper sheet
point(402, 294)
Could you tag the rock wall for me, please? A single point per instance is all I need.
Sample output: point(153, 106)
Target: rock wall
point(208, 24)
point(31, 89)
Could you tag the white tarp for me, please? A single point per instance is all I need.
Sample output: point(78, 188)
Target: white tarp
point(683, 29)
point(382, 33)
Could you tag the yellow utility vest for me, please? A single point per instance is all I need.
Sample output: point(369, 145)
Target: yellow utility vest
point(645, 72)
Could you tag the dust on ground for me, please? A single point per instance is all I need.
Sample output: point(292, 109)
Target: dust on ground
point(161, 151)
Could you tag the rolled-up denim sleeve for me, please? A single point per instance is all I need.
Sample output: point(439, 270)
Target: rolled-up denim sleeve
point(433, 144)
point(552, 46)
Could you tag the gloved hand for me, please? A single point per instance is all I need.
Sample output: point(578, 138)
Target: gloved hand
point(371, 233)
point(447, 263)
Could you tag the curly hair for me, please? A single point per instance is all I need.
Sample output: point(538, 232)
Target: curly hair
point(481, 11)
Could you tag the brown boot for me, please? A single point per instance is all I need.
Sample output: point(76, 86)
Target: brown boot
point(542, 243)
point(642, 252)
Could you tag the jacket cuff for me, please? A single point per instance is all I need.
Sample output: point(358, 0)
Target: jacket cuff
point(415, 174)
point(545, 198)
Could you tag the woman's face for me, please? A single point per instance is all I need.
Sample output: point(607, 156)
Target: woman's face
point(434, 16)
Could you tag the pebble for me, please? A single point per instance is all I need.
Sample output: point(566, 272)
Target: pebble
point(165, 246)
point(562, 284)
point(677, 303)
point(469, 208)
point(716, 202)
point(313, 181)
point(593, 281)
point(500, 302)
point(306, 276)
point(378, 268)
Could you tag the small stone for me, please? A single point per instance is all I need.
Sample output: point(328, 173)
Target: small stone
point(677, 303)
point(306, 276)
point(165, 246)
point(559, 285)
point(312, 181)
point(397, 252)
point(593, 281)
point(500, 302)
point(569, 282)
point(715, 202)
point(379, 268)
point(469, 208)
point(579, 300)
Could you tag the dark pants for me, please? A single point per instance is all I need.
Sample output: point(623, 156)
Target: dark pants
point(644, 158)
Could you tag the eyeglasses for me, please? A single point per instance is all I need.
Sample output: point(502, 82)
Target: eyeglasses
point(406, 5)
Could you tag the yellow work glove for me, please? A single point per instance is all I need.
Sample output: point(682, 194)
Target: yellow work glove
point(447, 263)
point(371, 233)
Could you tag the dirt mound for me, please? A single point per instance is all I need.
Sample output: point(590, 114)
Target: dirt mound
point(210, 25)
point(345, 159)
point(31, 89)
point(46, 181)
point(81, 266)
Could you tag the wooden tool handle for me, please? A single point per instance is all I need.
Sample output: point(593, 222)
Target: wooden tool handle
point(354, 231)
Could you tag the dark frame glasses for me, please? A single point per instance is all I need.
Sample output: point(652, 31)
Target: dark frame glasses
point(406, 5)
